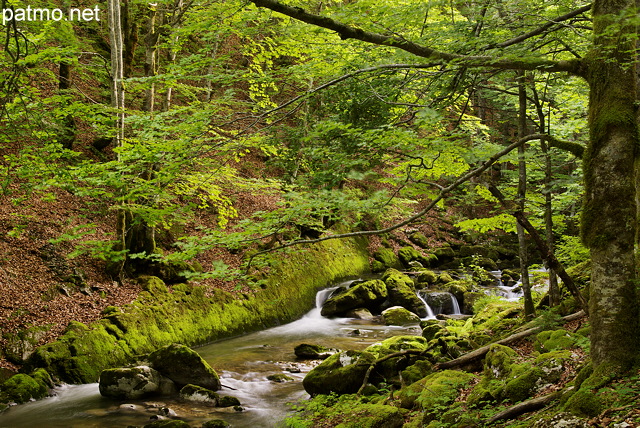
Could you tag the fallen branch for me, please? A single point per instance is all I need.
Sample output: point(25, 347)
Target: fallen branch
point(526, 407)
point(385, 358)
point(480, 352)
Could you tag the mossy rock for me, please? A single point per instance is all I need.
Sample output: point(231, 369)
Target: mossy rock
point(228, 401)
point(397, 315)
point(184, 366)
point(427, 277)
point(431, 328)
point(552, 340)
point(313, 352)
point(416, 371)
point(388, 370)
point(478, 250)
point(401, 292)
point(369, 294)
point(280, 378)
point(18, 347)
point(444, 278)
point(129, 383)
point(199, 394)
point(22, 388)
point(387, 258)
point(153, 285)
point(434, 391)
point(444, 254)
point(469, 299)
point(369, 415)
point(342, 373)
point(419, 239)
point(408, 255)
point(396, 344)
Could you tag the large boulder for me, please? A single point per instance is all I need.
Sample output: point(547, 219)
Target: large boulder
point(385, 258)
point(439, 301)
point(397, 315)
point(402, 292)
point(308, 351)
point(199, 394)
point(342, 373)
point(129, 383)
point(369, 294)
point(184, 366)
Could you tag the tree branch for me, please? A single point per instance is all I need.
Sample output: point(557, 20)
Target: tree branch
point(445, 190)
point(541, 29)
point(346, 31)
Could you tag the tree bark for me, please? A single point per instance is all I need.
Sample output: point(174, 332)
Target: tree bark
point(529, 309)
point(609, 218)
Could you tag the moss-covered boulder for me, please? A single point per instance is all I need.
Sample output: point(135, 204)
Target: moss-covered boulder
point(228, 401)
point(280, 378)
point(22, 388)
point(369, 415)
point(419, 239)
point(397, 315)
point(129, 382)
point(469, 299)
point(430, 328)
point(342, 373)
point(402, 292)
point(426, 278)
point(308, 351)
point(434, 392)
point(170, 423)
point(19, 346)
point(386, 259)
point(408, 254)
point(199, 394)
point(184, 366)
point(444, 254)
point(552, 340)
point(369, 294)
point(497, 369)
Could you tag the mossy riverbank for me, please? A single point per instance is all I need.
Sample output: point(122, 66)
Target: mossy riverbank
point(187, 314)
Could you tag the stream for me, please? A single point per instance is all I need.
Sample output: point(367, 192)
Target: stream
point(243, 364)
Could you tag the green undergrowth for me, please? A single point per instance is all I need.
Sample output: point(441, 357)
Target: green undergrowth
point(187, 315)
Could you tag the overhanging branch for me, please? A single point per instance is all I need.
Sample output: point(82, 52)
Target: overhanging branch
point(443, 192)
point(346, 31)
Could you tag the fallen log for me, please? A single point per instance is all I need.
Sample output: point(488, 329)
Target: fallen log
point(525, 407)
point(480, 352)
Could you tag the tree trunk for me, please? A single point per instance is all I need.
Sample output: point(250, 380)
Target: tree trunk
point(529, 309)
point(609, 215)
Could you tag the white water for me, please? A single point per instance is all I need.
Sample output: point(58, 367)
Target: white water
point(455, 305)
point(430, 314)
point(243, 364)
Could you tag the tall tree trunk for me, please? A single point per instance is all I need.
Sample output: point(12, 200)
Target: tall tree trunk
point(609, 216)
point(554, 289)
point(529, 309)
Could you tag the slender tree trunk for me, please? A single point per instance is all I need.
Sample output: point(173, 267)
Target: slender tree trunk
point(609, 219)
point(529, 309)
point(554, 289)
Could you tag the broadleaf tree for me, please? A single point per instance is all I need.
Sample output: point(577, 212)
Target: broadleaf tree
point(609, 214)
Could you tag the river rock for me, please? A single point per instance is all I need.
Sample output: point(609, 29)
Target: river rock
point(129, 382)
point(385, 258)
point(199, 394)
point(313, 352)
point(401, 292)
point(228, 401)
point(360, 314)
point(341, 373)
point(439, 301)
point(397, 315)
point(216, 423)
point(369, 294)
point(184, 366)
point(168, 424)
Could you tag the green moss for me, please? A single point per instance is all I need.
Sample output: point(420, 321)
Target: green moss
point(434, 392)
point(416, 371)
point(188, 316)
point(372, 416)
point(427, 277)
point(341, 373)
point(552, 340)
point(387, 258)
point(408, 254)
point(21, 388)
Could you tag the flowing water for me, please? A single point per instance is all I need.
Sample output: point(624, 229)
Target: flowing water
point(243, 364)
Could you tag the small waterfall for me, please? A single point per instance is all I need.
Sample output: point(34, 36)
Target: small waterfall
point(455, 306)
point(430, 314)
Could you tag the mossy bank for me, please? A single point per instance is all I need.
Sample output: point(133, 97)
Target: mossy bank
point(187, 315)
